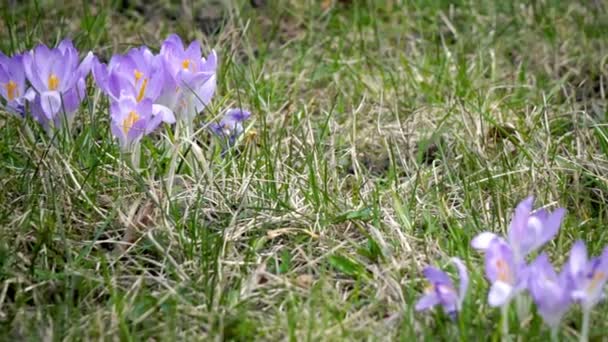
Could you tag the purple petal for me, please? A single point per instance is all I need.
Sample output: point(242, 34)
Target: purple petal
point(551, 225)
point(578, 258)
point(193, 52)
point(205, 93)
point(434, 275)
point(32, 72)
point(85, 66)
point(50, 101)
point(427, 301)
point(550, 291)
point(499, 262)
point(210, 63)
point(216, 128)
point(73, 97)
point(464, 280)
point(118, 132)
point(237, 115)
point(519, 223)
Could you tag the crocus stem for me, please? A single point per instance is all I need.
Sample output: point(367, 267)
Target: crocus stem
point(554, 337)
point(585, 329)
point(505, 322)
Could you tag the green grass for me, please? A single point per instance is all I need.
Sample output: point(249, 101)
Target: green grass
point(388, 134)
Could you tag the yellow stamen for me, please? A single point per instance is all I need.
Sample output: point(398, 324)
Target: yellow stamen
point(186, 64)
point(429, 288)
point(504, 273)
point(11, 90)
point(129, 121)
point(142, 90)
point(53, 82)
point(138, 75)
point(595, 280)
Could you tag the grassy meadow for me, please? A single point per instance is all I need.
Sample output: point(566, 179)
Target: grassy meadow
point(384, 136)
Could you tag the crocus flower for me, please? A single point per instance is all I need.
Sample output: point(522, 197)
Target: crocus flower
point(441, 290)
point(528, 231)
point(138, 74)
point(131, 120)
point(231, 125)
point(191, 79)
point(12, 83)
point(506, 275)
point(587, 277)
point(550, 291)
point(58, 79)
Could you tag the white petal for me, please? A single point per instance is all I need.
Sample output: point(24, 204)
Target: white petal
point(500, 293)
point(482, 241)
point(578, 258)
point(165, 113)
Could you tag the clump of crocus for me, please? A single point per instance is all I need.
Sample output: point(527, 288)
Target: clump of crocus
point(505, 260)
point(12, 84)
point(551, 292)
point(441, 290)
point(58, 78)
point(190, 78)
point(134, 82)
point(587, 278)
point(230, 126)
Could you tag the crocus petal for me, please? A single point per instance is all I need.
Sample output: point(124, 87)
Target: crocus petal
point(237, 115)
point(551, 225)
point(32, 73)
point(72, 98)
point(205, 93)
point(464, 280)
point(519, 223)
point(100, 74)
point(85, 66)
point(51, 103)
point(482, 241)
point(118, 132)
point(216, 128)
point(427, 301)
point(578, 258)
point(435, 275)
point(500, 293)
point(164, 113)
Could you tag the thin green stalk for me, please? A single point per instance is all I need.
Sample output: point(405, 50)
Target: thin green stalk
point(505, 322)
point(554, 336)
point(585, 330)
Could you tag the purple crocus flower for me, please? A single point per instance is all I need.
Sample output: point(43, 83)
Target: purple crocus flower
point(549, 290)
point(506, 275)
point(587, 276)
point(441, 290)
point(528, 231)
point(12, 83)
point(138, 74)
point(132, 119)
point(58, 76)
point(191, 78)
point(231, 125)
